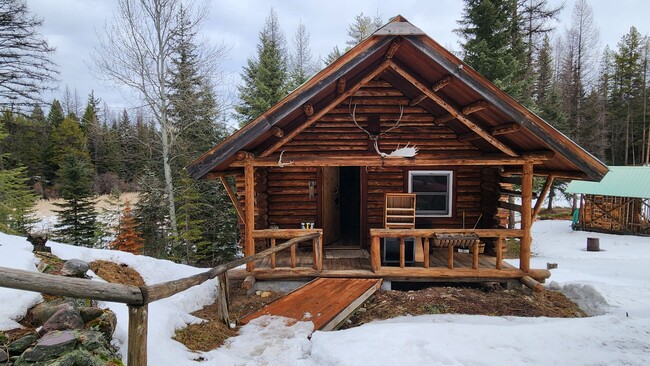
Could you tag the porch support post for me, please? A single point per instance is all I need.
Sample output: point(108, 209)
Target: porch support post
point(542, 196)
point(249, 207)
point(526, 215)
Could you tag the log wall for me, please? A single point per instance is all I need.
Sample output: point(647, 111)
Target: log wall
point(283, 199)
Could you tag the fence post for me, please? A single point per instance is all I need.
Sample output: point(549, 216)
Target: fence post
point(224, 298)
point(137, 344)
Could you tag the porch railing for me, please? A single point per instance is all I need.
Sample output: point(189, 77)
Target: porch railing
point(316, 237)
point(422, 237)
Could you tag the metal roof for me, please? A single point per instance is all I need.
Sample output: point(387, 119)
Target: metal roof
point(621, 181)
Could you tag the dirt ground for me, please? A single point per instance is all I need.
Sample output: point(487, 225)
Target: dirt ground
point(46, 208)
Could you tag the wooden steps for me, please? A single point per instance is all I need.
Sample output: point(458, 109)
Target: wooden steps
point(326, 302)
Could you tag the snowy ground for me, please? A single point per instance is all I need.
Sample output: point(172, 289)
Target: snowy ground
point(613, 285)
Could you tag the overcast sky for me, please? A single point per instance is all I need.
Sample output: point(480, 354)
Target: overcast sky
point(72, 27)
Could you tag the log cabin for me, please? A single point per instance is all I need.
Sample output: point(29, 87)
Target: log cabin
point(401, 158)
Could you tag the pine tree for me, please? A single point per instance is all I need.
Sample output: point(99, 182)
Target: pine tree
point(56, 115)
point(362, 27)
point(150, 216)
point(494, 46)
point(301, 66)
point(220, 226)
point(190, 220)
point(67, 139)
point(265, 76)
point(128, 237)
point(77, 217)
point(334, 55)
point(16, 199)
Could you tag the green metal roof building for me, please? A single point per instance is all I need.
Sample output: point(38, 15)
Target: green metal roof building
point(619, 203)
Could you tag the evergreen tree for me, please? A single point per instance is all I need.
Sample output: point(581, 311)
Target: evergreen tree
point(265, 76)
point(56, 115)
point(150, 216)
point(16, 199)
point(77, 217)
point(493, 44)
point(334, 55)
point(190, 220)
point(67, 140)
point(362, 27)
point(301, 66)
point(128, 237)
point(220, 226)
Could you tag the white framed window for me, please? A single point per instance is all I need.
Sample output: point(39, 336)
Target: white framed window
point(433, 190)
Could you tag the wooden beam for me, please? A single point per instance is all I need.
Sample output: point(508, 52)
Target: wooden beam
point(452, 110)
point(494, 131)
point(376, 160)
point(249, 205)
point(309, 109)
point(137, 335)
point(340, 98)
point(438, 85)
point(505, 129)
point(538, 155)
point(277, 131)
point(243, 155)
point(542, 196)
point(510, 206)
point(415, 101)
point(526, 216)
point(340, 86)
point(444, 119)
point(475, 107)
point(233, 198)
point(392, 49)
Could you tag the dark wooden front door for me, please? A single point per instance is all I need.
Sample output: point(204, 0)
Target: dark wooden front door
point(341, 206)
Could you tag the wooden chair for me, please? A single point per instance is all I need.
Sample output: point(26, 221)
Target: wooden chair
point(452, 241)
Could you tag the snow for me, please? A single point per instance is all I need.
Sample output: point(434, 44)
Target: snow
point(612, 285)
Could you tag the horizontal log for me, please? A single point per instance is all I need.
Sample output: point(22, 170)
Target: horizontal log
point(438, 85)
point(510, 206)
point(505, 129)
point(166, 289)
point(68, 286)
point(475, 107)
point(375, 160)
point(483, 233)
point(532, 284)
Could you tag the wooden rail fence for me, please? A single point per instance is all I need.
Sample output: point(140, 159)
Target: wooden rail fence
point(137, 298)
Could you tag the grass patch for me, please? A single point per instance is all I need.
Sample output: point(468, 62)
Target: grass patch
point(512, 248)
point(204, 336)
point(558, 213)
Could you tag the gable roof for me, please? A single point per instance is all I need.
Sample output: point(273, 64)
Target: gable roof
point(621, 181)
point(414, 64)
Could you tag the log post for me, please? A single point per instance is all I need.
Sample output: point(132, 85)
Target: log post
point(526, 215)
point(137, 343)
point(273, 254)
point(293, 255)
point(402, 252)
point(542, 196)
point(249, 210)
point(593, 244)
point(450, 256)
point(375, 256)
point(499, 250)
point(224, 298)
point(425, 248)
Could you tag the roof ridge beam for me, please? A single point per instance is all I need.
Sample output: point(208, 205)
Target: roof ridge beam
point(338, 100)
point(452, 110)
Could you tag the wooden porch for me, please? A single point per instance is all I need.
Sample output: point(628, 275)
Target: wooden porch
point(308, 259)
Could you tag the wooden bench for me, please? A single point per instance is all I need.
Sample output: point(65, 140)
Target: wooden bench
point(453, 241)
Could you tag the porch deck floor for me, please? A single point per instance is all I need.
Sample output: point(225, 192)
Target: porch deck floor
point(437, 258)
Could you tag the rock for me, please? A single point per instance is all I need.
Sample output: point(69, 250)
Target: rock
point(43, 311)
point(21, 344)
point(265, 294)
point(75, 268)
point(96, 343)
point(67, 317)
point(51, 346)
point(78, 357)
point(89, 313)
point(3, 356)
point(105, 324)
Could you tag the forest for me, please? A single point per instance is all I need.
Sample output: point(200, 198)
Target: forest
point(77, 150)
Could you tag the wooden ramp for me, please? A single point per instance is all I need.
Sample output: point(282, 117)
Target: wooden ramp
point(324, 301)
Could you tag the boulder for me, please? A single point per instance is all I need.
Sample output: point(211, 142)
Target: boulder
point(67, 317)
point(3, 356)
point(43, 311)
point(89, 313)
point(75, 268)
point(51, 346)
point(21, 344)
point(105, 324)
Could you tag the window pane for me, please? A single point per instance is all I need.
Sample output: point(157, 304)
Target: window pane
point(428, 202)
point(429, 183)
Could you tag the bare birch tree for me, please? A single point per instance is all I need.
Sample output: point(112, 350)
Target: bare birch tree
point(136, 51)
